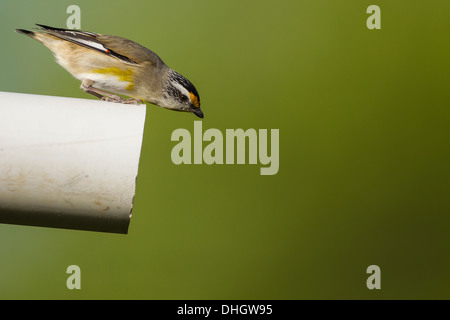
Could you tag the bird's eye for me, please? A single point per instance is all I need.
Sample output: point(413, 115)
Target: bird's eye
point(183, 98)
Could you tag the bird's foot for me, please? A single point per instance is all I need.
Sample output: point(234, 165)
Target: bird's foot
point(118, 99)
point(87, 86)
point(132, 101)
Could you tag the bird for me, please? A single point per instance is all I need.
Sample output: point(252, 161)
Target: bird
point(109, 65)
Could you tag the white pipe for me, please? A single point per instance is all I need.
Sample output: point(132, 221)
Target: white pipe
point(68, 163)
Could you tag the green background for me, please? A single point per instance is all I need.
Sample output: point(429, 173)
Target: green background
point(364, 154)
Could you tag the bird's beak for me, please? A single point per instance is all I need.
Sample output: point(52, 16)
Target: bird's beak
point(197, 111)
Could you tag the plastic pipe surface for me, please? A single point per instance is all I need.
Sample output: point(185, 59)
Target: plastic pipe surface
point(68, 163)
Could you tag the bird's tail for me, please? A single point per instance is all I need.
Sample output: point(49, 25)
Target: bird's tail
point(26, 32)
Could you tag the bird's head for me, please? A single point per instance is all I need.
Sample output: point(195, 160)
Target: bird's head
point(179, 94)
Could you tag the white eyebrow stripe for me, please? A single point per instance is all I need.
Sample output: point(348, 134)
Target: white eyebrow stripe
point(181, 88)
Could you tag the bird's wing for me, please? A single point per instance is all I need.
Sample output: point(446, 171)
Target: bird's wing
point(130, 49)
point(89, 40)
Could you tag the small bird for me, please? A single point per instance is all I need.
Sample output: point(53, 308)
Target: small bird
point(109, 63)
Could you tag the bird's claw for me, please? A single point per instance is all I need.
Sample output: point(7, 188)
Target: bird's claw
point(121, 100)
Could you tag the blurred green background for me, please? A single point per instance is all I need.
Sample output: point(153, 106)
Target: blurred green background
point(364, 154)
